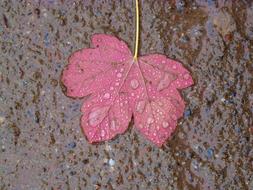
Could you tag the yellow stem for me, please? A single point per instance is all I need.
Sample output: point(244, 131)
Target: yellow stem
point(136, 31)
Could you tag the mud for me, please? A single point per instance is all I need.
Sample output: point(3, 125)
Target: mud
point(41, 142)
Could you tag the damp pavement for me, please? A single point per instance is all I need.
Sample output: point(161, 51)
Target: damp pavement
point(41, 143)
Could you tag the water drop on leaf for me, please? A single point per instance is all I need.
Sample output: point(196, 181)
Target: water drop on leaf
point(165, 81)
point(165, 124)
point(97, 115)
point(150, 120)
point(140, 106)
point(119, 75)
point(186, 76)
point(134, 84)
point(113, 125)
point(103, 133)
point(107, 95)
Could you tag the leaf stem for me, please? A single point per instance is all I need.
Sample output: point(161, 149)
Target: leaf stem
point(136, 30)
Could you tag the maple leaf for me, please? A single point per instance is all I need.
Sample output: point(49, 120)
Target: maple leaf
point(120, 87)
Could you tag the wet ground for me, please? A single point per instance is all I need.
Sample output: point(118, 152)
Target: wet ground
point(41, 142)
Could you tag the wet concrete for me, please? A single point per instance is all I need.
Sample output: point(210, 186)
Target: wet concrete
point(41, 142)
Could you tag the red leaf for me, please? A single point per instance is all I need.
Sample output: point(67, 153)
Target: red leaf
point(120, 87)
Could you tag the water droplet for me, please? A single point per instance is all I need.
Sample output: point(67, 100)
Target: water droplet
point(97, 115)
point(140, 106)
point(174, 66)
point(113, 125)
point(165, 81)
point(121, 69)
point(160, 103)
point(174, 117)
point(186, 76)
point(117, 83)
point(134, 83)
point(119, 75)
point(111, 88)
point(165, 124)
point(102, 133)
point(107, 96)
point(150, 120)
point(163, 61)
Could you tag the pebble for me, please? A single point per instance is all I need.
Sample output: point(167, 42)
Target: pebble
point(111, 162)
point(209, 153)
point(187, 112)
point(73, 173)
point(46, 39)
point(2, 119)
point(180, 4)
point(238, 130)
point(195, 165)
point(72, 145)
point(184, 38)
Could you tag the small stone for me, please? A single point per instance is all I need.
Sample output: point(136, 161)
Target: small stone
point(180, 4)
point(2, 120)
point(195, 165)
point(111, 162)
point(73, 173)
point(209, 153)
point(187, 113)
point(72, 145)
